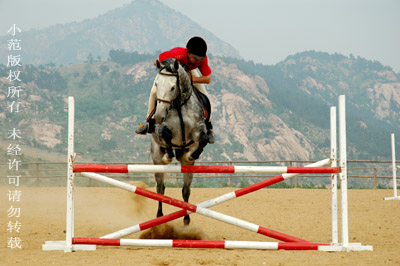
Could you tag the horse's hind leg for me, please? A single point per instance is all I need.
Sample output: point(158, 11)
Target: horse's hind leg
point(157, 153)
point(188, 157)
point(160, 190)
point(187, 181)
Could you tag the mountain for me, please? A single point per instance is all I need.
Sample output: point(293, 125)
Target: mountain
point(307, 83)
point(278, 112)
point(144, 26)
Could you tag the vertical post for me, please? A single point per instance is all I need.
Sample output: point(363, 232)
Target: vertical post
point(38, 174)
point(375, 178)
point(343, 173)
point(71, 177)
point(395, 197)
point(231, 177)
point(295, 178)
point(394, 167)
point(334, 176)
point(291, 179)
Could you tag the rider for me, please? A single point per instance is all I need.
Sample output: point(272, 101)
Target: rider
point(192, 57)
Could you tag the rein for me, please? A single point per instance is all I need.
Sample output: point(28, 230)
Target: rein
point(177, 104)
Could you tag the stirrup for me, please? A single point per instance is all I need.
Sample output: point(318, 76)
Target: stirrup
point(143, 130)
point(147, 128)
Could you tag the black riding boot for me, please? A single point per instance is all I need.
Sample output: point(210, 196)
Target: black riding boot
point(210, 132)
point(147, 128)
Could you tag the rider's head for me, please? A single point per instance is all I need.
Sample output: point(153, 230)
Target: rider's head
point(197, 47)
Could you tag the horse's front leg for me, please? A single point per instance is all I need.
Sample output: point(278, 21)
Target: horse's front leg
point(166, 135)
point(187, 181)
point(160, 190)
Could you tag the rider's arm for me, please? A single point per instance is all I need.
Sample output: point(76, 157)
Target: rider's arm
point(202, 79)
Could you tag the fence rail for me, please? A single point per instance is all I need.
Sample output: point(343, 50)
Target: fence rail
point(364, 173)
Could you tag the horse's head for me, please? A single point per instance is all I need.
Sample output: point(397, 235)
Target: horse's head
point(172, 84)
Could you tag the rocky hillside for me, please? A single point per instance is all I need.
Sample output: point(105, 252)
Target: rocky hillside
point(145, 26)
point(303, 86)
point(246, 126)
point(259, 112)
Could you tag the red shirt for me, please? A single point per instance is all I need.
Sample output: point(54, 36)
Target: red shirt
point(180, 54)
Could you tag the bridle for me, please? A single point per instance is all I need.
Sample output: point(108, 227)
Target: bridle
point(177, 82)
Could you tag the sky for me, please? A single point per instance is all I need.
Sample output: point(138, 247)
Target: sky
point(265, 31)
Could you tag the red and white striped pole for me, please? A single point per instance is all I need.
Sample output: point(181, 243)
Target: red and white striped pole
point(198, 243)
point(228, 169)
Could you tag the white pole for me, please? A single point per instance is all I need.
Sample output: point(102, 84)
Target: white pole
point(394, 167)
point(343, 173)
point(395, 197)
point(334, 177)
point(71, 177)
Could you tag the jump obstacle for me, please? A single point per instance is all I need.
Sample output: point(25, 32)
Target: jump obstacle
point(394, 168)
point(289, 242)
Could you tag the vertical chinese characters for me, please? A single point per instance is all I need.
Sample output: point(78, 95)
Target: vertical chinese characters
point(14, 149)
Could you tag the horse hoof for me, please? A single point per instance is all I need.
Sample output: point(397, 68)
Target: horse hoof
point(188, 158)
point(186, 221)
point(166, 160)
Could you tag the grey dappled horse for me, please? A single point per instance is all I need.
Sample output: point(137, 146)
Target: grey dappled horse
point(179, 127)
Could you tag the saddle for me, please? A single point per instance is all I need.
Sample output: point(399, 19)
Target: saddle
point(206, 104)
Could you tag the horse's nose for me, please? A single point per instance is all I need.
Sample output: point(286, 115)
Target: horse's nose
point(159, 119)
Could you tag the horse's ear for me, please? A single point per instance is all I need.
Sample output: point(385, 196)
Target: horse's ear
point(176, 65)
point(158, 64)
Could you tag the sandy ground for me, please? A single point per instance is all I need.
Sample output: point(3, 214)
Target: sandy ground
point(299, 212)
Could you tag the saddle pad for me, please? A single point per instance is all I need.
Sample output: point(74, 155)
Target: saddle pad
point(205, 102)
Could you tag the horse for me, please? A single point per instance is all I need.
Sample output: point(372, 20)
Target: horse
point(180, 125)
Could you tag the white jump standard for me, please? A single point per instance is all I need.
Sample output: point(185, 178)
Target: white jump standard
point(73, 243)
point(394, 169)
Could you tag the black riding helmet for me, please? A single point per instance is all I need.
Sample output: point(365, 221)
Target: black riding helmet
point(197, 47)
